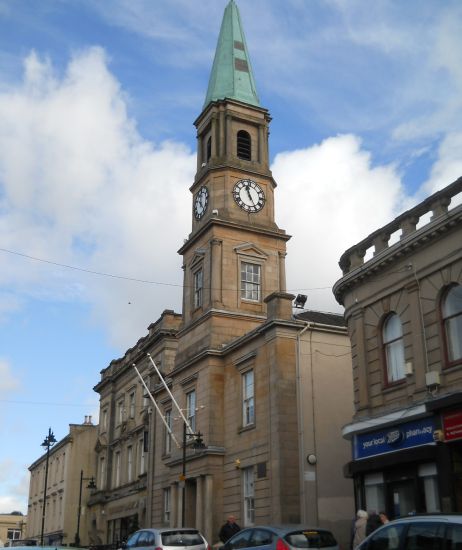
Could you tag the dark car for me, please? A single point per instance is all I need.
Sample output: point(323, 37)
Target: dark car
point(282, 537)
point(420, 532)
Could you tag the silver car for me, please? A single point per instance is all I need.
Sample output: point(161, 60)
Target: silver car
point(167, 539)
point(282, 537)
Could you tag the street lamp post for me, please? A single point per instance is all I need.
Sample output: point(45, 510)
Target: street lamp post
point(91, 485)
point(48, 442)
point(198, 444)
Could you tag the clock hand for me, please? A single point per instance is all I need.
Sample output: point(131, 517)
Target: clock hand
point(249, 195)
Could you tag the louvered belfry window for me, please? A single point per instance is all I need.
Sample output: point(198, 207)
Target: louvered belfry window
point(244, 145)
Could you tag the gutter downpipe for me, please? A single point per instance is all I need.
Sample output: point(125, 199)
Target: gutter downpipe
point(301, 430)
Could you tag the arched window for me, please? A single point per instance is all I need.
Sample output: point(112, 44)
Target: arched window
point(392, 334)
point(451, 310)
point(209, 149)
point(244, 145)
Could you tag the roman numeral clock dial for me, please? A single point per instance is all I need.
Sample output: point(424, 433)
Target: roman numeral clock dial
point(249, 195)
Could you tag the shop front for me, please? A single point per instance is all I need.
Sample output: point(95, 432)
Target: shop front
point(395, 468)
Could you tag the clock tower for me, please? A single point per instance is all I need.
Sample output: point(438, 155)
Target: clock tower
point(234, 256)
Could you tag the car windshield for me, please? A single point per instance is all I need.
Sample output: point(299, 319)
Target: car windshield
point(312, 538)
point(181, 538)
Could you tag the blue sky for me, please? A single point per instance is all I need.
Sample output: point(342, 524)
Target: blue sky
point(97, 153)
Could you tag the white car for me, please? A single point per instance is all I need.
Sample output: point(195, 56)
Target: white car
point(167, 539)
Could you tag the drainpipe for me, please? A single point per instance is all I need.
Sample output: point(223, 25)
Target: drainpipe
point(301, 436)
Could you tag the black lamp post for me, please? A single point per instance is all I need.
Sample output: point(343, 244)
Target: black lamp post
point(91, 485)
point(48, 442)
point(198, 444)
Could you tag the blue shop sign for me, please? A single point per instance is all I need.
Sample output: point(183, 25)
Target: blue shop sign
point(394, 438)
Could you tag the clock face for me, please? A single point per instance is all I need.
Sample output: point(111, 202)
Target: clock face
point(201, 201)
point(249, 196)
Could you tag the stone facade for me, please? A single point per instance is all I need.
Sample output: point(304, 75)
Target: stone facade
point(12, 527)
point(403, 306)
point(68, 458)
point(261, 388)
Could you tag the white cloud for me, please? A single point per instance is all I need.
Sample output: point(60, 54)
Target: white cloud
point(14, 486)
point(8, 382)
point(330, 196)
point(81, 187)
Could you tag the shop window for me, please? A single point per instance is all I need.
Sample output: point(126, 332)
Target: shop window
point(392, 334)
point(250, 281)
point(244, 145)
point(374, 489)
point(451, 311)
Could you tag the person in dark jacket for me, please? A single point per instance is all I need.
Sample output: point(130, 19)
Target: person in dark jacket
point(373, 521)
point(229, 529)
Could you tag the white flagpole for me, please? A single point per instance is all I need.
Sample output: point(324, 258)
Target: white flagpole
point(157, 407)
point(188, 425)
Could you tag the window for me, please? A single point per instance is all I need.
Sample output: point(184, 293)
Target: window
point(116, 468)
point(393, 348)
point(452, 322)
point(146, 398)
point(167, 505)
point(104, 417)
point(249, 504)
point(120, 411)
point(13, 534)
point(102, 472)
point(131, 404)
point(250, 281)
point(425, 536)
point(191, 409)
point(244, 145)
point(141, 457)
point(248, 406)
point(209, 149)
point(198, 286)
point(129, 464)
point(386, 539)
point(168, 437)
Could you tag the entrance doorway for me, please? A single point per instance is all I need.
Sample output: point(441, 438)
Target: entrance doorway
point(402, 498)
point(190, 503)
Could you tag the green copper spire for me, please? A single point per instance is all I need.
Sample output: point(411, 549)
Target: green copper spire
point(231, 75)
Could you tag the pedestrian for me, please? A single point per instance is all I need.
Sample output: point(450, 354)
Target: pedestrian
point(373, 521)
point(360, 528)
point(383, 518)
point(229, 529)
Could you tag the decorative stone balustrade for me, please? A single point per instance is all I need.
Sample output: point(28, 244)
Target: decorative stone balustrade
point(437, 204)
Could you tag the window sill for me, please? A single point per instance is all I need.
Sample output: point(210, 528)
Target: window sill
point(246, 428)
point(455, 365)
point(387, 388)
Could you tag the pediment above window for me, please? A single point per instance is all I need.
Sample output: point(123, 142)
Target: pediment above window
point(197, 258)
point(251, 250)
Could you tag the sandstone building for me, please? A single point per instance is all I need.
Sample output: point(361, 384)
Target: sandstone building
point(12, 527)
point(403, 307)
point(265, 391)
point(70, 468)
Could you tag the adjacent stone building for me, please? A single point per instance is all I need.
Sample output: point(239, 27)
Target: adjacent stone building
point(264, 392)
point(71, 466)
point(12, 527)
point(402, 292)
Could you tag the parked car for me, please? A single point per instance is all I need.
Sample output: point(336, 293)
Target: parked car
point(167, 539)
point(420, 532)
point(282, 537)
